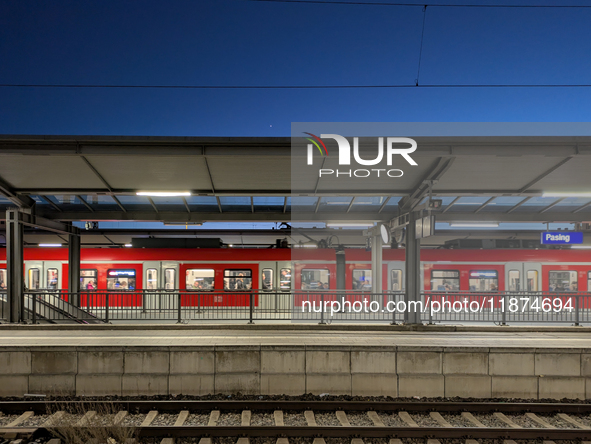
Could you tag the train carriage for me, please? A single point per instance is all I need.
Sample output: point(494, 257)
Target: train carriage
point(225, 277)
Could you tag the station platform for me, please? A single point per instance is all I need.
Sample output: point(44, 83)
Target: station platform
point(467, 362)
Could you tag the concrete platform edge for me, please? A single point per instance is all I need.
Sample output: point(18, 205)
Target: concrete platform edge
point(306, 327)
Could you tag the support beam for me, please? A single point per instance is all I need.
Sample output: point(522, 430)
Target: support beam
point(341, 269)
point(582, 207)
point(14, 266)
point(74, 268)
point(481, 207)
point(514, 207)
point(552, 205)
point(351, 204)
point(545, 174)
point(376, 265)
point(308, 216)
point(85, 203)
point(50, 202)
point(104, 181)
point(20, 200)
point(413, 273)
point(153, 204)
point(422, 187)
point(209, 174)
point(451, 204)
point(186, 205)
point(53, 225)
point(384, 204)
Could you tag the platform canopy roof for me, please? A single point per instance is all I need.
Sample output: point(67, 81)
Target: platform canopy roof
point(85, 178)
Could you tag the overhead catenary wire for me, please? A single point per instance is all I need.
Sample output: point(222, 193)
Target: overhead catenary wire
point(443, 5)
point(384, 86)
point(421, 47)
point(401, 85)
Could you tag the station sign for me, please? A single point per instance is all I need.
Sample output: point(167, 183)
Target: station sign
point(561, 237)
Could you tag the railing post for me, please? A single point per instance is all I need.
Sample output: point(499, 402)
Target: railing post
point(577, 305)
point(107, 307)
point(322, 308)
point(430, 311)
point(504, 311)
point(250, 321)
point(393, 295)
point(179, 313)
point(34, 308)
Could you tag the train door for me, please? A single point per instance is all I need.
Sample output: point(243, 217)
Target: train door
point(41, 275)
point(532, 273)
point(396, 284)
point(161, 279)
point(396, 274)
point(268, 285)
point(522, 276)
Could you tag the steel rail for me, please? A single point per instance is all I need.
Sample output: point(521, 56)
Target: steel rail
point(362, 432)
point(167, 406)
point(340, 432)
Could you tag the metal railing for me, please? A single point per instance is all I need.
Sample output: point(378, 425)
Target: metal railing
point(507, 307)
point(184, 306)
point(4, 306)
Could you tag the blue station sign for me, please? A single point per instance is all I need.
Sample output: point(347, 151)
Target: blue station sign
point(561, 237)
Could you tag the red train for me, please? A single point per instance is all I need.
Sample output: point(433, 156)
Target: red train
point(236, 270)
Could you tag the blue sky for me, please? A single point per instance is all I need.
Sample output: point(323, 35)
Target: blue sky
point(238, 42)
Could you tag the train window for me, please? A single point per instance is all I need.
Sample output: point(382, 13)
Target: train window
point(362, 280)
point(120, 279)
point(34, 281)
point(513, 280)
point(3, 280)
point(445, 280)
point(52, 278)
point(532, 280)
point(396, 280)
point(562, 280)
point(237, 279)
point(285, 279)
point(484, 280)
point(88, 279)
point(315, 279)
point(267, 279)
point(151, 279)
point(170, 279)
point(200, 279)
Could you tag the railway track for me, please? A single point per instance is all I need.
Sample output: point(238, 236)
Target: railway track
point(279, 422)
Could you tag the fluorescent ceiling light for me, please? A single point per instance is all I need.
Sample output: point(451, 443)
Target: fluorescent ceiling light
point(339, 225)
point(474, 224)
point(581, 247)
point(128, 245)
point(163, 193)
point(566, 194)
point(50, 245)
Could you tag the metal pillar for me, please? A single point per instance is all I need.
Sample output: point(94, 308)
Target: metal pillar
point(14, 266)
point(341, 269)
point(376, 265)
point(74, 269)
point(413, 276)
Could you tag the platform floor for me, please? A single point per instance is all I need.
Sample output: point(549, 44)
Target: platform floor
point(230, 337)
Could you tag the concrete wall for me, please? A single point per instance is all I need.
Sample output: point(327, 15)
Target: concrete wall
point(294, 370)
